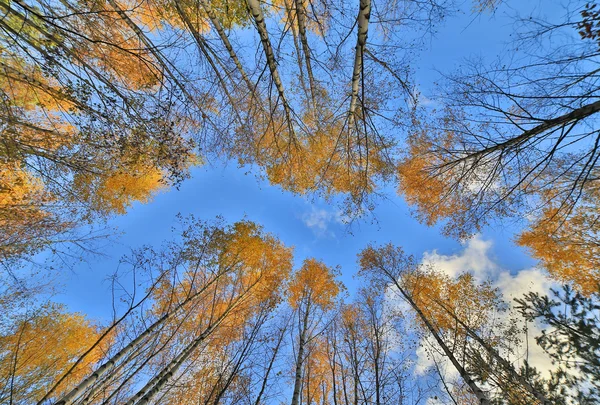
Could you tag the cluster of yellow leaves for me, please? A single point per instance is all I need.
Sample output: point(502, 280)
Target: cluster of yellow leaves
point(443, 299)
point(205, 379)
point(567, 246)
point(114, 192)
point(27, 87)
point(317, 385)
point(38, 349)
point(324, 155)
point(123, 53)
point(245, 272)
point(564, 236)
point(423, 187)
point(37, 123)
point(42, 151)
point(315, 283)
point(155, 14)
point(265, 262)
point(22, 209)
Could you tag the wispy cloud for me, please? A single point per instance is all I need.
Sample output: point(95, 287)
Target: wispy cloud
point(320, 220)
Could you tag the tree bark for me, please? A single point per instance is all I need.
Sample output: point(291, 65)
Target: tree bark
point(364, 13)
point(300, 359)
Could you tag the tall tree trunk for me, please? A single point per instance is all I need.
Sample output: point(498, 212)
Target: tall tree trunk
point(364, 13)
point(154, 386)
point(82, 386)
point(301, 17)
point(494, 353)
point(225, 39)
point(300, 359)
point(478, 392)
point(259, 22)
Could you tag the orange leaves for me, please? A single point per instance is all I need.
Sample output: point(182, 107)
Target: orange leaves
point(114, 192)
point(267, 262)
point(23, 215)
point(441, 299)
point(39, 348)
point(111, 46)
point(567, 245)
point(314, 283)
point(431, 190)
point(444, 300)
point(323, 156)
point(28, 88)
point(155, 14)
point(229, 272)
point(19, 190)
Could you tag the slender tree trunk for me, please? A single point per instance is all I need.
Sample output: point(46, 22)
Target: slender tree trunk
point(300, 359)
point(154, 386)
point(79, 389)
point(481, 396)
point(494, 353)
point(261, 27)
point(201, 44)
point(225, 39)
point(301, 17)
point(364, 13)
point(243, 355)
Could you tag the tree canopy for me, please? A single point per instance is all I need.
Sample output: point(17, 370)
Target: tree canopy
point(104, 104)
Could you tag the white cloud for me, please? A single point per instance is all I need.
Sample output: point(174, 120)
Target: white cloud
point(320, 220)
point(528, 280)
point(473, 259)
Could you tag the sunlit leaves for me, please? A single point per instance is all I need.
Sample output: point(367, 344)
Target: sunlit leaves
point(37, 350)
point(313, 284)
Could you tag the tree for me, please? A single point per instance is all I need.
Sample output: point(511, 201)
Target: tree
point(95, 93)
point(312, 292)
point(570, 339)
point(37, 346)
point(210, 286)
point(460, 316)
point(515, 136)
point(80, 107)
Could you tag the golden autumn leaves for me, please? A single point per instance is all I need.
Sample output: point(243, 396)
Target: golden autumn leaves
point(97, 116)
point(99, 113)
point(209, 288)
point(104, 103)
point(40, 348)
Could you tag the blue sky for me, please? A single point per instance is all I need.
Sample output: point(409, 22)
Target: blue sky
point(311, 225)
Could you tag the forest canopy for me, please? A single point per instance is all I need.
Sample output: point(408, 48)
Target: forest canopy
point(105, 104)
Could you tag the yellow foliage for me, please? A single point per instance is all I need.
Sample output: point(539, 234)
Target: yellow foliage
point(245, 268)
point(427, 189)
point(323, 155)
point(443, 299)
point(567, 245)
point(123, 54)
point(114, 192)
point(314, 283)
point(22, 210)
point(317, 385)
point(40, 348)
point(155, 14)
point(28, 88)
